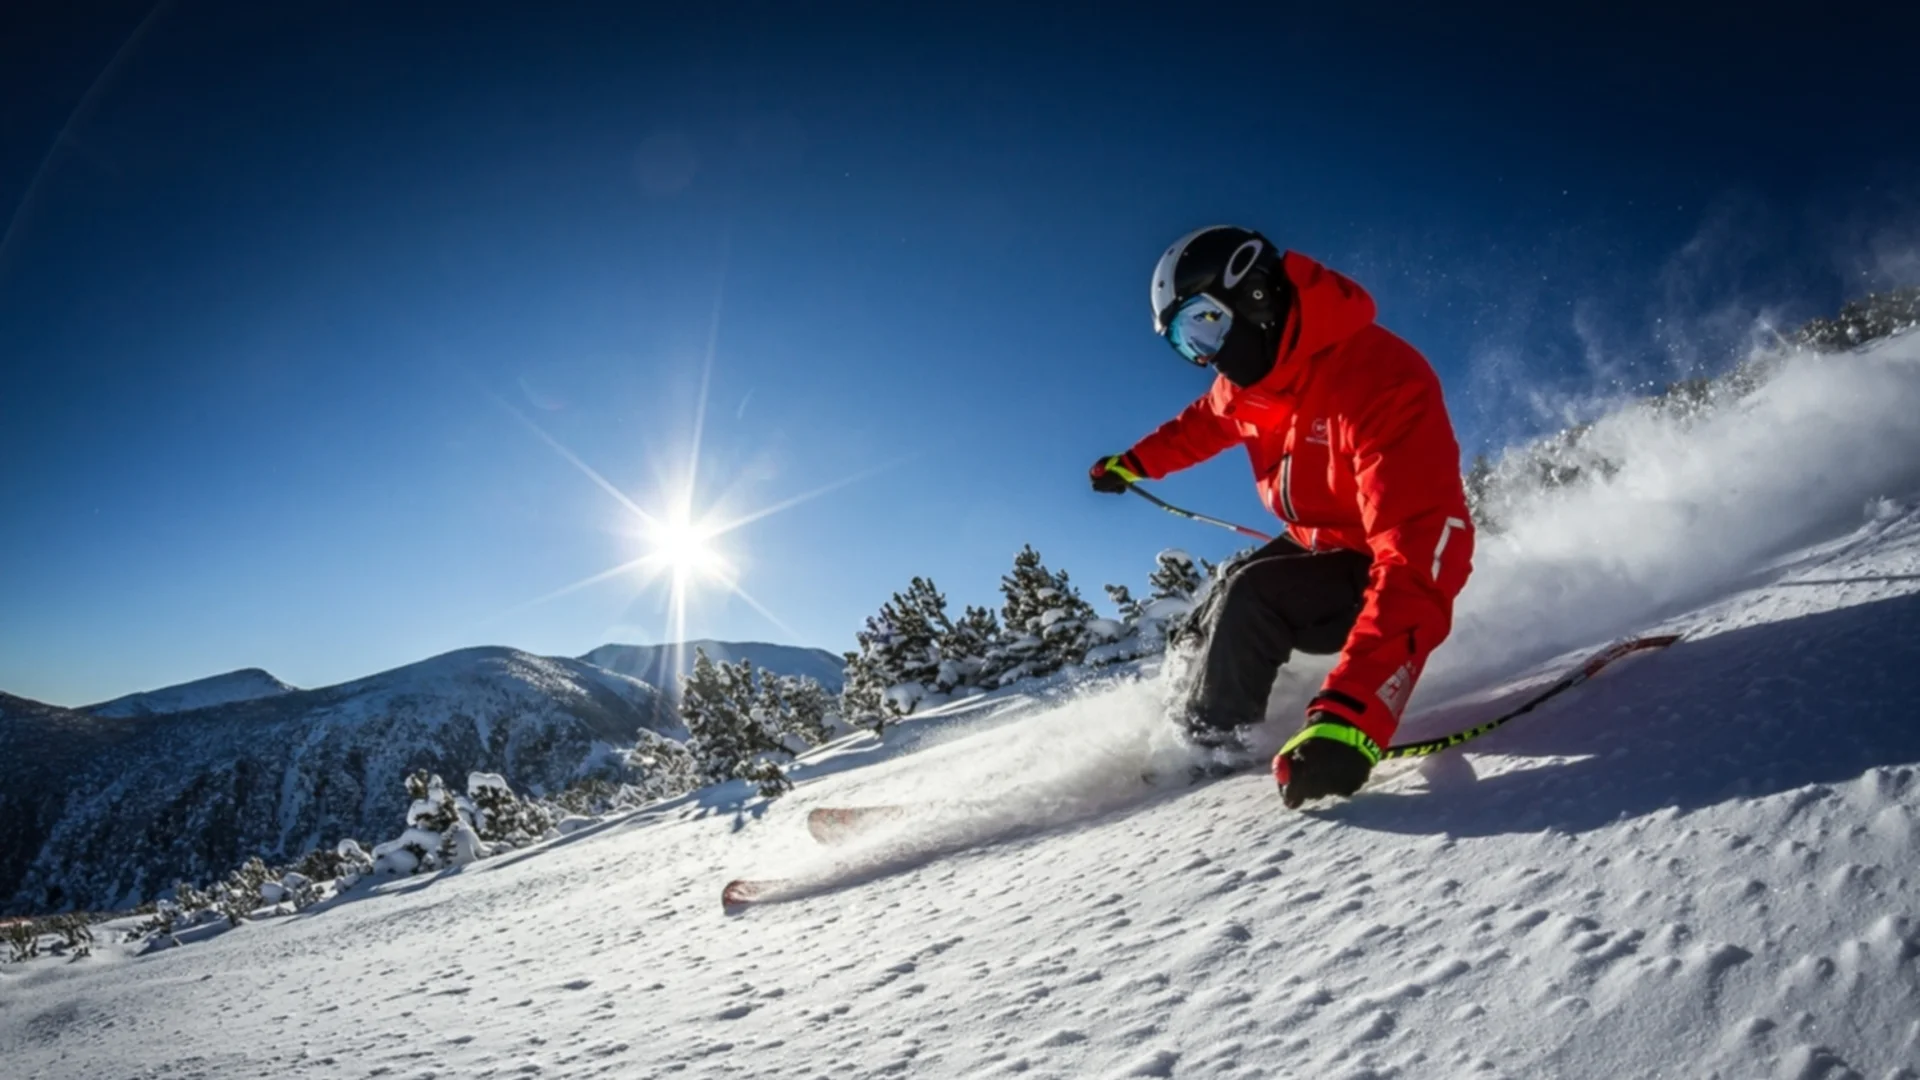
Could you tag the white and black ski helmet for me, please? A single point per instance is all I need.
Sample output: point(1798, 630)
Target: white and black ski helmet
point(1235, 266)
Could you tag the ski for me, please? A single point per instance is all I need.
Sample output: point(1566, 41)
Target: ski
point(1202, 773)
point(743, 891)
point(829, 825)
point(839, 824)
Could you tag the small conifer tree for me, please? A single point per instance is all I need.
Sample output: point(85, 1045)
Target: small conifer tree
point(1044, 616)
point(23, 938)
point(717, 732)
point(501, 817)
point(917, 620)
point(728, 739)
point(1028, 587)
point(240, 894)
point(971, 652)
point(665, 767)
point(863, 695)
point(801, 706)
point(74, 933)
point(1175, 577)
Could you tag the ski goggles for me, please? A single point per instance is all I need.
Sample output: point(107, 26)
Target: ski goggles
point(1197, 328)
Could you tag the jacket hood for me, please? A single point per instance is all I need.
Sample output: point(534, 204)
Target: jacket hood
point(1329, 308)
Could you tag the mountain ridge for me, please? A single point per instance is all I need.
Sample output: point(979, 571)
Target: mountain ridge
point(185, 781)
point(244, 684)
point(120, 807)
point(657, 664)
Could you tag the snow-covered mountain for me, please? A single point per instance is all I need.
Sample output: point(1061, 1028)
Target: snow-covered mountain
point(663, 665)
point(247, 684)
point(1699, 864)
point(115, 809)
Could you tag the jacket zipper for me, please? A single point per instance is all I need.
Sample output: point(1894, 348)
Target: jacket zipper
point(1286, 485)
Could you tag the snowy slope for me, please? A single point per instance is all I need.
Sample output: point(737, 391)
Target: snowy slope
point(663, 665)
point(247, 684)
point(1699, 864)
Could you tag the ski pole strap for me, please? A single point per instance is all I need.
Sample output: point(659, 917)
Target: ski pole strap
point(1117, 465)
point(1340, 733)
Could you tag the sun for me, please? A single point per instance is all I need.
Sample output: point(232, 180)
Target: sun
point(684, 547)
point(678, 548)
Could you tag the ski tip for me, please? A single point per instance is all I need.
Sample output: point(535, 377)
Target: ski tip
point(741, 892)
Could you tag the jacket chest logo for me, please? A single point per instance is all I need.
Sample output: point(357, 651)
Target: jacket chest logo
point(1319, 433)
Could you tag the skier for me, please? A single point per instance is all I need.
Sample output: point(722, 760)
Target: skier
point(1351, 446)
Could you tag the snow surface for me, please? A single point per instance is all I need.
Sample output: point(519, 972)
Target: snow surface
point(247, 684)
point(1699, 864)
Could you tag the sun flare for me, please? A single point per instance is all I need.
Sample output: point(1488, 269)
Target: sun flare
point(684, 547)
point(678, 549)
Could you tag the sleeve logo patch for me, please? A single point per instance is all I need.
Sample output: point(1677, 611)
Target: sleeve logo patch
point(1394, 692)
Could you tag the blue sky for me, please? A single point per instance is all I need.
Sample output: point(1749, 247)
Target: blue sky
point(284, 295)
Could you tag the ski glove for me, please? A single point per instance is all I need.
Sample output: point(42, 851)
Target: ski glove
point(1328, 757)
point(1113, 475)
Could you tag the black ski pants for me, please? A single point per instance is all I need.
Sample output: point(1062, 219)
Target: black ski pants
point(1281, 599)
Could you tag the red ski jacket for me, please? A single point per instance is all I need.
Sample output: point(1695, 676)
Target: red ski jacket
point(1351, 446)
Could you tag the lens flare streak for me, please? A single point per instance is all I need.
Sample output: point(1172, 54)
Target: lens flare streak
point(680, 545)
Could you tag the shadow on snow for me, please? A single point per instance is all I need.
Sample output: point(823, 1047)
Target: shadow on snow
point(1751, 712)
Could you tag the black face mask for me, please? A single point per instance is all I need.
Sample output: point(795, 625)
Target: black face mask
point(1246, 356)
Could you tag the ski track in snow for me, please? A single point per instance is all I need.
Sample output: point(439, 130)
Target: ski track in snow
point(1701, 863)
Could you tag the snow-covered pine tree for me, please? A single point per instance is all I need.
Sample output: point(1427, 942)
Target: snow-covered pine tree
point(1024, 588)
point(718, 704)
point(326, 864)
point(900, 658)
point(501, 818)
point(23, 938)
point(240, 893)
point(1069, 627)
point(664, 767)
point(767, 777)
point(432, 808)
point(765, 728)
point(438, 833)
point(863, 693)
point(1044, 616)
point(354, 860)
point(75, 933)
point(1173, 587)
point(919, 620)
point(191, 899)
point(971, 653)
point(302, 891)
point(916, 621)
point(718, 732)
point(771, 710)
point(801, 705)
point(1175, 577)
